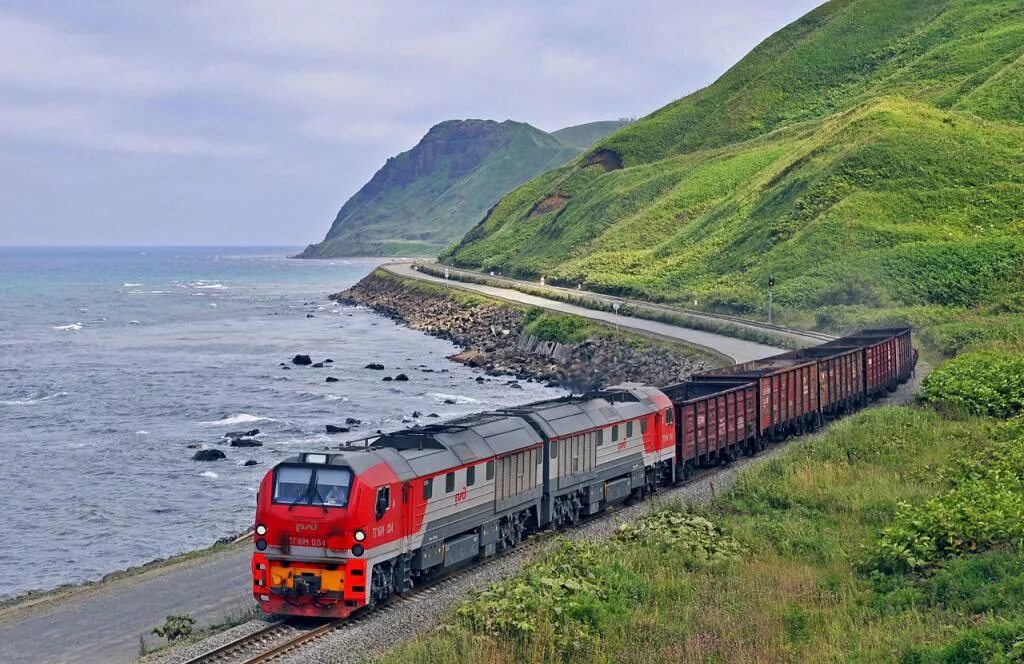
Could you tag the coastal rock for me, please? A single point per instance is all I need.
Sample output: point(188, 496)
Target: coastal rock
point(387, 379)
point(245, 442)
point(250, 462)
point(375, 366)
point(480, 329)
point(310, 316)
point(330, 379)
point(352, 421)
point(318, 365)
point(302, 360)
point(193, 446)
point(328, 361)
point(433, 415)
point(417, 413)
point(450, 402)
point(401, 377)
point(242, 434)
point(331, 428)
point(209, 455)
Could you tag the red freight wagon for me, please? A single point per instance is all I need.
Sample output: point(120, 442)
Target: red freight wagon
point(714, 420)
point(840, 376)
point(906, 356)
point(881, 368)
point(788, 391)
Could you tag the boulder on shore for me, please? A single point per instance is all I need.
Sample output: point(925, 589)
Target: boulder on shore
point(318, 365)
point(387, 379)
point(304, 360)
point(375, 366)
point(250, 462)
point(401, 377)
point(245, 442)
point(330, 379)
point(331, 428)
point(209, 455)
point(471, 357)
point(352, 420)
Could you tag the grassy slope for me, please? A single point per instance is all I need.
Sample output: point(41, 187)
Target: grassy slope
point(429, 196)
point(869, 155)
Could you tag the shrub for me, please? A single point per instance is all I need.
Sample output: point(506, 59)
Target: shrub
point(982, 508)
point(698, 540)
point(176, 627)
point(981, 383)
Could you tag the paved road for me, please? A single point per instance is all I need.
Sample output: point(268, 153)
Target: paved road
point(101, 624)
point(736, 349)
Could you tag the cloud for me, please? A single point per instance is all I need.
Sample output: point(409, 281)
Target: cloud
point(85, 128)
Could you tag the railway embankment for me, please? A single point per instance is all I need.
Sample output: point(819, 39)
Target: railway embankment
point(528, 343)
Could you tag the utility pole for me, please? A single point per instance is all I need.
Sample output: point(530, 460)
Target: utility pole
point(771, 284)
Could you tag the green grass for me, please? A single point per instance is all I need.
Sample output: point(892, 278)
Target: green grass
point(869, 156)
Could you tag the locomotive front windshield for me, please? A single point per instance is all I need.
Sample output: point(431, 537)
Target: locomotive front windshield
point(309, 485)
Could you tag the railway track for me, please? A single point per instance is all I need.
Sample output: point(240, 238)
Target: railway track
point(476, 277)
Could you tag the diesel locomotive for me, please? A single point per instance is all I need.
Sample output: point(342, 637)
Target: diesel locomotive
point(340, 530)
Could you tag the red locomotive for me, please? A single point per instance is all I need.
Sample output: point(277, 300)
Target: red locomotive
point(337, 531)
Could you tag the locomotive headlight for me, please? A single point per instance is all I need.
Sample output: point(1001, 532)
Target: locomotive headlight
point(359, 535)
point(261, 530)
point(261, 544)
point(358, 550)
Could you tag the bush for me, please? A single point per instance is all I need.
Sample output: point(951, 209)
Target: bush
point(982, 383)
point(982, 509)
point(176, 627)
point(699, 540)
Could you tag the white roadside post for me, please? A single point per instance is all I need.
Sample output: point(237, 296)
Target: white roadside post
point(615, 306)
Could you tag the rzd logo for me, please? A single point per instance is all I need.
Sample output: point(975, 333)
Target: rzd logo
point(306, 527)
point(461, 495)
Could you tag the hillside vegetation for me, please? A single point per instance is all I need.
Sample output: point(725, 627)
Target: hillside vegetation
point(870, 156)
point(429, 196)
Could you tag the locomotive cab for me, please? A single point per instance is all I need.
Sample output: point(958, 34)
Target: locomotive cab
point(317, 517)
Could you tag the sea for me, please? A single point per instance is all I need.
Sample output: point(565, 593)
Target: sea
point(115, 363)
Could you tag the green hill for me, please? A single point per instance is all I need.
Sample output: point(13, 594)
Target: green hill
point(429, 196)
point(870, 156)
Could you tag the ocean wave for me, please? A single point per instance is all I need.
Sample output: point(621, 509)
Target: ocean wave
point(69, 326)
point(128, 284)
point(240, 418)
point(334, 397)
point(457, 398)
point(34, 399)
point(210, 474)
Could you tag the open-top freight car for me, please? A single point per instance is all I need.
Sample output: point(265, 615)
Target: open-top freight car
point(787, 389)
point(715, 421)
point(888, 358)
point(840, 376)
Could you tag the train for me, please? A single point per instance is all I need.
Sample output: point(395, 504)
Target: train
point(338, 531)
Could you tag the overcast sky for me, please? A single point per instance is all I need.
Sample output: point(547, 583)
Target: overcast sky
point(250, 123)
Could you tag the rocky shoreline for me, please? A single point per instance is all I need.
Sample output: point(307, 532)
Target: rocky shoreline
point(492, 336)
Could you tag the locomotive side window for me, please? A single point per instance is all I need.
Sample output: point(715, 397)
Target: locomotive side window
point(292, 484)
point(428, 488)
point(383, 500)
point(643, 425)
point(615, 433)
point(489, 470)
point(449, 482)
point(668, 416)
point(600, 437)
point(554, 449)
point(629, 429)
point(471, 476)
